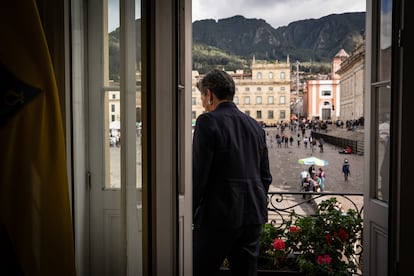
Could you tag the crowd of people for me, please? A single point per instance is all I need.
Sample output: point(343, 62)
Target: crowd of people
point(286, 141)
point(313, 180)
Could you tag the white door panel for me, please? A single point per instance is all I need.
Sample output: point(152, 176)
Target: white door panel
point(114, 141)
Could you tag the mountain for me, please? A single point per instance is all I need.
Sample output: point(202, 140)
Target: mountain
point(232, 42)
point(304, 40)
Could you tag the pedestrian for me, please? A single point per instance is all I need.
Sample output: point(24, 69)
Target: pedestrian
point(298, 139)
point(313, 144)
point(307, 186)
point(321, 142)
point(231, 178)
point(291, 141)
point(317, 184)
point(305, 142)
point(345, 169)
point(322, 175)
point(312, 171)
point(279, 141)
point(303, 176)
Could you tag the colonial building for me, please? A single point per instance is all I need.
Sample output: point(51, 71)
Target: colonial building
point(264, 93)
point(323, 96)
point(352, 72)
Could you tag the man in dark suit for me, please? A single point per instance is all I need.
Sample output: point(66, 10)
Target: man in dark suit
point(231, 178)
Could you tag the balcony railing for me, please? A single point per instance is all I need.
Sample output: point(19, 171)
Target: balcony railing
point(304, 203)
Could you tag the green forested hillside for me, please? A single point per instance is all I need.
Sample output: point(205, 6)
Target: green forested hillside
point(231, 43)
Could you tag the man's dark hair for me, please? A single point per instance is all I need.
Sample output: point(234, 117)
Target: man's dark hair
point(219, 82)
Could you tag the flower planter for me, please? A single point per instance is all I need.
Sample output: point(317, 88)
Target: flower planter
point(226, 272)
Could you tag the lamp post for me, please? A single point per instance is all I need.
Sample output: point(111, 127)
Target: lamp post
point(297, 78)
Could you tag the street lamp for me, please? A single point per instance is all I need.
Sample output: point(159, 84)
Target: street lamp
point(297, 77)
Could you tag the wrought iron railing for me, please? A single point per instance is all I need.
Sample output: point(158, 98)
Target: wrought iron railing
point(281, 204)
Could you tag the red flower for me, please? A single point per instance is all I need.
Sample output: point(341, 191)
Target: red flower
point(325, 259)
point(294, 229)
point(343, 234)
point(278, 244)
point(328, 239)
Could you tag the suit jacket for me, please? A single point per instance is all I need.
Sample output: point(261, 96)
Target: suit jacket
point(231, 174)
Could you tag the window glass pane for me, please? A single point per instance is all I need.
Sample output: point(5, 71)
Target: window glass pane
point(247, 100)
point(383, 109)
point(112, 97)
point(138, 94)
point(270, 100)
point(385, 32)
point(270, 114)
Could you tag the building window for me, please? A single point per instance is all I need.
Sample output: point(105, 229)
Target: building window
point(282, 114)
point(283, 89)
point(112, 107)
point(258, 89)
point(247, 100)
point(282, 75)
point(112, 118)
point(326, 93)
point(270, 75)
point(270, 88)
point(236, 100)
point(259, 75)
point(270, 100)
point(247, 89)
point(258, 114)
point(270, 114)
point(193, 101)
point(193, 114)
point(282, 100)
point(259, 100)
point(247, 112)
point(114, 96)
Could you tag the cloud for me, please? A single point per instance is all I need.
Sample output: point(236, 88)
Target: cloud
point(275, 12)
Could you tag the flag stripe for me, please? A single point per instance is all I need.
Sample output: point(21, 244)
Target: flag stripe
point(34, 196)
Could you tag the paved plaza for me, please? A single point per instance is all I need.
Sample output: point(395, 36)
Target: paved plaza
point(286, 169)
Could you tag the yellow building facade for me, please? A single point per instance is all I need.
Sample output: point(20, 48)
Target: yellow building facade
point(264, 94)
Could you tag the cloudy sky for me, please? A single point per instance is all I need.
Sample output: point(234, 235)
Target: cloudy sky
point(275, 12)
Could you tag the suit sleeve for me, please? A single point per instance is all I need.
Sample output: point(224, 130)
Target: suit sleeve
point(203, 153)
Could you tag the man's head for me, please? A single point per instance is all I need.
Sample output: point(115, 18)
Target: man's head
point(219, 83)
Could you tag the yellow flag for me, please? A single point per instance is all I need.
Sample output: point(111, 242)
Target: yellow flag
point(35, 216)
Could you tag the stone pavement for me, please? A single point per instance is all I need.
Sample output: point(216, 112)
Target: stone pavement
point(286, 169)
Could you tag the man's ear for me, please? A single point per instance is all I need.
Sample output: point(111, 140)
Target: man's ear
point(209, 95)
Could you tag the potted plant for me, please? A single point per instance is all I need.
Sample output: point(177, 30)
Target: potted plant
point(322, 244)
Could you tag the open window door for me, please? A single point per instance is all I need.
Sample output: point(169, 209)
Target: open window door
point(378, 138)
point(114, 138)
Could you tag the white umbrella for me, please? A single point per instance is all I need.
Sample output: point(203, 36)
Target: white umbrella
point(313, 161)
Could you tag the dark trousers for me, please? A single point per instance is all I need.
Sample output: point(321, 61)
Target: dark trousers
point(211, 246)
